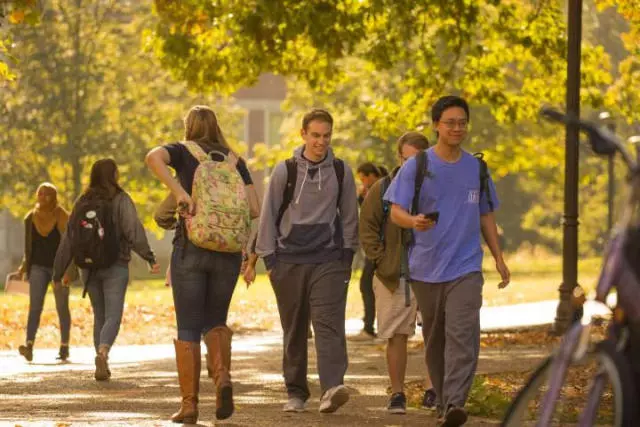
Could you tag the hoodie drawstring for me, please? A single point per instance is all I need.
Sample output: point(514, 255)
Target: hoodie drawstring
point(320, 178)
point(306, 173)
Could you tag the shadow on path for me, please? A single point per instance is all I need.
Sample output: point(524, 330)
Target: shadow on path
point(144, 389)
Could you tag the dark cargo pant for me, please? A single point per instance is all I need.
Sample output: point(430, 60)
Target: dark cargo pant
point(318, 291)
point(451, 331)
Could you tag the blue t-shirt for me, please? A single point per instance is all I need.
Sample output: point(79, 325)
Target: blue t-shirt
point(451, 248)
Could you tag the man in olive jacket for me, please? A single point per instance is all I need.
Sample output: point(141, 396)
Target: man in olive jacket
point(381, 240)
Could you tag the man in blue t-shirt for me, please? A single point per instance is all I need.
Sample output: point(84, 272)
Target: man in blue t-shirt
point(445, 260)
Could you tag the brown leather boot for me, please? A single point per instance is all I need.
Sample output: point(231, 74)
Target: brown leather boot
point(189, 365)
point(103, 373)
point(27, 351)
point(218, 342)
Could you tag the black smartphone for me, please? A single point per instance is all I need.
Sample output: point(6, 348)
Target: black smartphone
point(433, 216)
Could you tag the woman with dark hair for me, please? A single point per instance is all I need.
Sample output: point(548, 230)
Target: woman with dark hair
point(202, 280)
point(106, 285)
point(44, 226)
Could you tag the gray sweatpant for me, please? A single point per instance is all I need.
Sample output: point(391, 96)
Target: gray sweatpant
point(451, 330)
point(319, 292)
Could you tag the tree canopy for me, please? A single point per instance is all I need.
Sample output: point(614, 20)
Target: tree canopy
point(379, 64)
point(85, 89)
point(13, 12)
point(98, 78)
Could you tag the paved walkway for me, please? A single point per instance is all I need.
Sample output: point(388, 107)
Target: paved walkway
point(144, 389)
point(532, 314)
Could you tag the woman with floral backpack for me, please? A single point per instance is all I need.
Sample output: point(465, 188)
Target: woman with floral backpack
point(216, 199)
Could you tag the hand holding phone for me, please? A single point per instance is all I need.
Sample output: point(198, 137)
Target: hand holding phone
point(424, 222)
point(433, 216)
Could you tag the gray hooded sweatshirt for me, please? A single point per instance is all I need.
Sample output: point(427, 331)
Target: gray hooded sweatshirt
point(314, 229)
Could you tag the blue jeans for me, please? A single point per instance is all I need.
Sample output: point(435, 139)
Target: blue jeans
point(107, 288)
point(39, 279)
point(203, 282)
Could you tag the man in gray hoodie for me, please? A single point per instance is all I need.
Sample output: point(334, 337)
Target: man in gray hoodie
point(308, 235)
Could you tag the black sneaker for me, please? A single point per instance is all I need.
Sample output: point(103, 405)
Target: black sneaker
point(64, 353)
point(429, 399)
point(397, 404)
point(455, 417)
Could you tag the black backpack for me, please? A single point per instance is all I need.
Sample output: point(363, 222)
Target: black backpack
point(290, 187)
point(92, 233)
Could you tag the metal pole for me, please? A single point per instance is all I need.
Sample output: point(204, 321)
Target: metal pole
point(565, 312)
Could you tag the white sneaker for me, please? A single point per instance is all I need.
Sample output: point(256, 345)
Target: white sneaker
point(294, 404)
point(333, 399)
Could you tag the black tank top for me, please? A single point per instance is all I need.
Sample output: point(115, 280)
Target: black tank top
point(43, 248)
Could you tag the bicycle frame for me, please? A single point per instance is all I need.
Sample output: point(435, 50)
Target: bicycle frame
point(616, 272)
point(558, 373)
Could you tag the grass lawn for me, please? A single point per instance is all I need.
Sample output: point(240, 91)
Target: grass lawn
point(149, 316)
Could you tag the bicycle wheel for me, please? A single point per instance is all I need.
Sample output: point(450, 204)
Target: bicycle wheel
point(615, 370)
point(600, 387)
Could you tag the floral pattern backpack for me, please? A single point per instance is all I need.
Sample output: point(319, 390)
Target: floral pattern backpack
point(222, 220)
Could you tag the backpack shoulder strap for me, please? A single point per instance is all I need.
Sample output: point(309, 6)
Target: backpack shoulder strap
point(422, 164)
point(484, 178)
point(195, 150)
point(289, 188)
point(384, 186)
point(338, 165)
point(386, 206)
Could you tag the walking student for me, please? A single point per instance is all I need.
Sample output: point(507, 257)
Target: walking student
point(216, 201)
point(368, 174)
point(44, 226)
point(103, 230)
point(307, 236)
point(381, 240)
point(455, 206)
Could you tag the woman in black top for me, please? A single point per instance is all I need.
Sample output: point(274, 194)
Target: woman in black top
point(44, 225)
point(202, 280)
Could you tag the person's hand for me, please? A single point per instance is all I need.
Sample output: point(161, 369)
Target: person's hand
point(167, 277)
point(57, 285)
point(186, 207)
point(19, 275)
point(155, 268)
point(249, 275)
point(66, 280)
point(422, 223)
point(505, 274)
point(245, 261)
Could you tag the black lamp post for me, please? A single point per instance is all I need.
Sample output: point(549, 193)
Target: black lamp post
point(565, 312)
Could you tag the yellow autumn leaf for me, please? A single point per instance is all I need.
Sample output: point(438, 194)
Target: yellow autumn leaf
point(196, 29)
point(16, 17)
